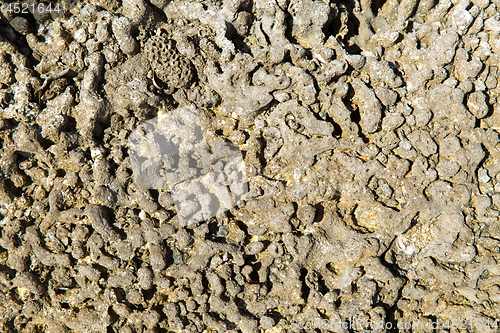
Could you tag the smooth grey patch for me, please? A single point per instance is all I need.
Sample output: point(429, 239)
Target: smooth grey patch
point(205, 178)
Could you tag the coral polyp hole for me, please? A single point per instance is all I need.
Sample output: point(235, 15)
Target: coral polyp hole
point(377, 5)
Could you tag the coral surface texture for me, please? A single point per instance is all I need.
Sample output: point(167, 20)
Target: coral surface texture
point(249, 166)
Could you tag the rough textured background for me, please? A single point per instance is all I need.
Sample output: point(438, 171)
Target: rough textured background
point(369, 132)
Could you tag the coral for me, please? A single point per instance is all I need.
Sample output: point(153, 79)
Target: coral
point(169, 66)
point(249, 166)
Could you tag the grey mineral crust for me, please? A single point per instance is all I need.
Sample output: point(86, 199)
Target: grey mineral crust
point(250, 166)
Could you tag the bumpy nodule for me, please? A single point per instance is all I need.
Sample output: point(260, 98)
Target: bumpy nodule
point(173, 70)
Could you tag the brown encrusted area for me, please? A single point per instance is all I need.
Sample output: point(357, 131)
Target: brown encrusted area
point(173, 69)
point(368, 133)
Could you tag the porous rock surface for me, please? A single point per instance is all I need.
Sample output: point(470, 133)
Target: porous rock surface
point(370, 136)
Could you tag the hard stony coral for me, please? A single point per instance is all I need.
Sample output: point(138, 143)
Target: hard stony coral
point(170, 67)
point(299, 161)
